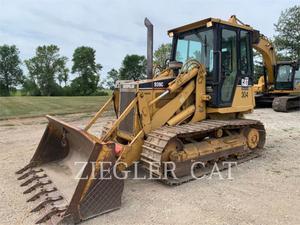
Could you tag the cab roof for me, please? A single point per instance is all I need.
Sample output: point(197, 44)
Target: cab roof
point(233, 21)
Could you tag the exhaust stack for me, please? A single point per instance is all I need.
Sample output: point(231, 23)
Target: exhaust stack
point(149, 26)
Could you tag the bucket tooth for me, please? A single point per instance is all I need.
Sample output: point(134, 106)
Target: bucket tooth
point(45, 202)
point(35, 177)
point(30, 165)
point(27, 174)
point(61, 146)
point(42, 192)
point(53, 211)
point(37, 185)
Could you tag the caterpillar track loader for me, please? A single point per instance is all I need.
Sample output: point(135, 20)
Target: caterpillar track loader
point(279, 86)
point(192, 112)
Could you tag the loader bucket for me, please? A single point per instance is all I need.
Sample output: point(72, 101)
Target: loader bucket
point(65, 177)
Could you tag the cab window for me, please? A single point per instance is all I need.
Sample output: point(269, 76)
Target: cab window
point(229, 64)
point(245, 53)
point(198, 45)
point(285, 73)
point(297, 79)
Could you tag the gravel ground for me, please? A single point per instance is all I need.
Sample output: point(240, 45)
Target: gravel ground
point(265, 190)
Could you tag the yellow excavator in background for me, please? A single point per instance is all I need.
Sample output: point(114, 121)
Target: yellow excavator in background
point(279, 86)
point(192, 113)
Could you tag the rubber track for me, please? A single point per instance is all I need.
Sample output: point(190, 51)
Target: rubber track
point(157, 140)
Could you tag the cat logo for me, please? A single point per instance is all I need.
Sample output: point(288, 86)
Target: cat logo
point(245, 82)
point(158, 84)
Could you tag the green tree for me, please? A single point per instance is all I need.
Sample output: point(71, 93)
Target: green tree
point(11, 74)
point(282, 56)
point(288, 32)
point(30, 88)
point(162, 55)
point(46, 67)
point(133, 67)
point(112, 77)
point(63, 77)
point(88, 71)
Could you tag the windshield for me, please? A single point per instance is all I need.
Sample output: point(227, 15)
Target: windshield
point(285, 73)
point(297, 79)
point(196, 45)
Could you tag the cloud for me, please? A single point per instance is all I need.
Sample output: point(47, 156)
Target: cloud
point(115, 28)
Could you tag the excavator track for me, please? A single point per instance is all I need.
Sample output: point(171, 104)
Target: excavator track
point(286, 103)
point(156, 142)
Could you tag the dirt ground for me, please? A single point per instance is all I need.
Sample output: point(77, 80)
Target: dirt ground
point(265, 190)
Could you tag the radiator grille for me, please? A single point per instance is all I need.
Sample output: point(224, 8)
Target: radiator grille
point(125, 99)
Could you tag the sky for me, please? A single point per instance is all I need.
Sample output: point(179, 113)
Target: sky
point(116, 28)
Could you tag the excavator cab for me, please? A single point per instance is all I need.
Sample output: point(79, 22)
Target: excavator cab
point(287, 86)
point(286, 75)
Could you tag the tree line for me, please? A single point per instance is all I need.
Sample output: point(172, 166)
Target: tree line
point(134, 66)
point(48, 74)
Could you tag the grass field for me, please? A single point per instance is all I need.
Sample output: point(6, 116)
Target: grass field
point(20, 107)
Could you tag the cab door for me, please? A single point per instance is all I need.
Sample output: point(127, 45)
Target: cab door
point(229, 65)
point(297, 80)
point(236, 64)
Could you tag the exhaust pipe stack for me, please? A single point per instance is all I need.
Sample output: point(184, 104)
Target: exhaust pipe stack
point(149, 26)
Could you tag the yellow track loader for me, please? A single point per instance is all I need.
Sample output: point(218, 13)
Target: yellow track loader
point(176, 124)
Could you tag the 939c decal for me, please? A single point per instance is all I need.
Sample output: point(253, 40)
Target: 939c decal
point(158, 84)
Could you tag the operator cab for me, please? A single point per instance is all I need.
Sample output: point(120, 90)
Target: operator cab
point(225, 50)
point(287, 75)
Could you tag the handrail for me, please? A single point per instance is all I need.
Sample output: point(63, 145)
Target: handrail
point(119, 120)
point(98, 114)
